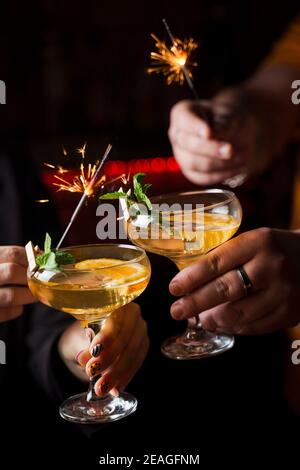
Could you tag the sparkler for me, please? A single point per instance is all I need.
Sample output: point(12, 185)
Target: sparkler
point(80, 183)
point(174, 62)
point(88, 191)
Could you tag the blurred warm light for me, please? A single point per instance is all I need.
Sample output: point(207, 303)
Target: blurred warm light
point(149, 165)
point(115, 168)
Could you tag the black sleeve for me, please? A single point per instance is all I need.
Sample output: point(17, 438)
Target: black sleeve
point(48, 369)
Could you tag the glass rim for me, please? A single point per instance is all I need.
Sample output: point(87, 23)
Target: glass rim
point(138, 258)
point(231, 197)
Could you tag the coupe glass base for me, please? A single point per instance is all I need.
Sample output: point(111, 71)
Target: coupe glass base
point(78, 410)
point(184, 348)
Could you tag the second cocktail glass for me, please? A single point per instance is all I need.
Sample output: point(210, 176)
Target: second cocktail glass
point(182, 227)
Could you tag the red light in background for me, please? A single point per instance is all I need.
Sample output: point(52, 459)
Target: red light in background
point(172, 165)
point(122, 167)
point(158, 165)
point(112, 168)
point(137, 165)
point(145, 165)
point(119, 167)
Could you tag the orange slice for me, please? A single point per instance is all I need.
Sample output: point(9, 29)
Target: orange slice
point(97, 263)
point(108, 268)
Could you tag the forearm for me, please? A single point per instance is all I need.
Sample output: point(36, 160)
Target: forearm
point(265, 101)
point(269, 93)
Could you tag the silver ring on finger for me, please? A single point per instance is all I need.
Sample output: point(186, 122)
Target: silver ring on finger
point(247, 284)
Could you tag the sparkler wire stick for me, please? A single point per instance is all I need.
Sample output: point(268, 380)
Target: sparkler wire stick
point(184, 69)
point(85, 195)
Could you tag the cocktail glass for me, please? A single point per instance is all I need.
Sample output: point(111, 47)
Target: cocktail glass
point(183, 227)
point(103, 279)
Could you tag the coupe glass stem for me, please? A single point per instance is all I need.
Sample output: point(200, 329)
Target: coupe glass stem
point(195, 342)
point(94, 328)
point(194, 330)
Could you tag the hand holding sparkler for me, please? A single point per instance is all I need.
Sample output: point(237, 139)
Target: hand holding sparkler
point(217, 153)
point(193, 124)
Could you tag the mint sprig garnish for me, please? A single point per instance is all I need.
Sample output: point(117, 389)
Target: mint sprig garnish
point(139, 195)
point(52, 260)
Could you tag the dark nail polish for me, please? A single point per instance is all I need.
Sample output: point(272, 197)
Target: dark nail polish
point(96, 350)
point(104, 387)
point(95, 369)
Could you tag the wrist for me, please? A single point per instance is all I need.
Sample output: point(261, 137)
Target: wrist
point(248, 114)
point(268, 94)
point(70, 342)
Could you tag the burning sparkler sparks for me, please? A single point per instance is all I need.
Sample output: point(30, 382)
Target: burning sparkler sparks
point(81, 150)
point(81, 183)
point(174, 62)
point(171, 61)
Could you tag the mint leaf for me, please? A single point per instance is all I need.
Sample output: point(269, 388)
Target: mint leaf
point(140, 190)
point(41, 260)
point(52, 260)
point(47, 261)
point(146, 187)
point(139, 193)
point(63, 257)
point(47, 243)
point(137, 185)
point(146, 200)
point(51, 264)
point(115, 195)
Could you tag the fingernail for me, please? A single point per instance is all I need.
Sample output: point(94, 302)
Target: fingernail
point(177, 311)
point(115, 392)
point(225, 150)
point(78, 355)
point(103, 388)
point(175, 288)
point(96, 350)
point(94, 369)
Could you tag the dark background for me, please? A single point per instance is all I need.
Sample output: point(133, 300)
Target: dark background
point(75, 72)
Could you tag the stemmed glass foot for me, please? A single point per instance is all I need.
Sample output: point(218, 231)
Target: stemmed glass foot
point(196, 343)
point(102, 410)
